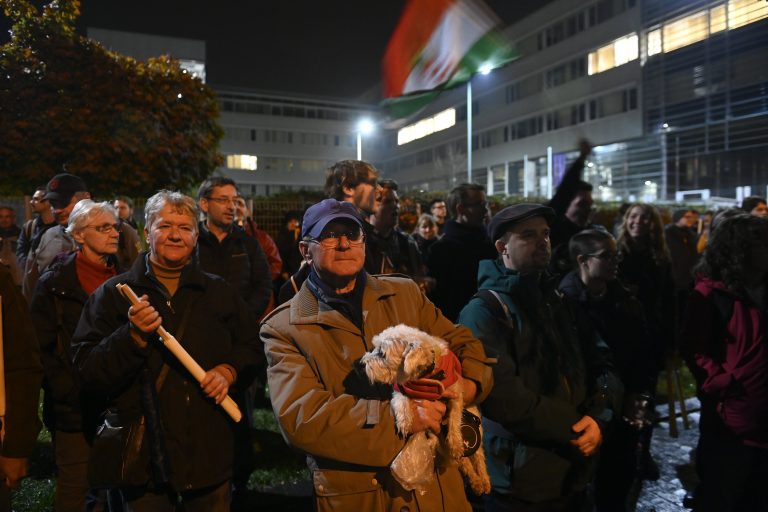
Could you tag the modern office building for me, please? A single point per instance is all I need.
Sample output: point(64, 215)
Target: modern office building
point(673, 93)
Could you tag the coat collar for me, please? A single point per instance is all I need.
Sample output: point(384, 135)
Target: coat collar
point(306, 309)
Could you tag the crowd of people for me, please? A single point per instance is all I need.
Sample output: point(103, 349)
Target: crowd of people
point(556, 327)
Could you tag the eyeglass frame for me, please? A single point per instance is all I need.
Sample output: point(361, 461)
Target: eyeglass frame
point(222, 201)
point(331, 235)
point(106, 228)
point(603, 255)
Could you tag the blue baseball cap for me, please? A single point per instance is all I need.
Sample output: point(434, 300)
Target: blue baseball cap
point(319, 215)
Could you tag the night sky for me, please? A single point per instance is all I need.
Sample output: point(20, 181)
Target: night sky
point(324, 47)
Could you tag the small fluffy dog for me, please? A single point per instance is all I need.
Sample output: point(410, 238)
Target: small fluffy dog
point(403, 354)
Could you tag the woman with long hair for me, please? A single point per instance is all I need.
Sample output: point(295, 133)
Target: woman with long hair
point(725, 345)
point(645, 270)
point(425, 234)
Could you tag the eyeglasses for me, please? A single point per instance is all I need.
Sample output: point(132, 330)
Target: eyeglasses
point(225, 200)
point(606, 256)
point(38, 200)
point(105, 228)
point(331, 240)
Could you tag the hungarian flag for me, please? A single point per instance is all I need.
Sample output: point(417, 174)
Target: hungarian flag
point(439, 44)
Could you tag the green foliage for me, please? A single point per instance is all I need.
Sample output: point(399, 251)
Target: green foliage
point(122, 125)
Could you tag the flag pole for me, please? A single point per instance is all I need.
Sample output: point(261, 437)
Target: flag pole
point(469, 130)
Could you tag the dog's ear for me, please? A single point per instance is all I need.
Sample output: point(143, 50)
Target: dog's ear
point(417, 359)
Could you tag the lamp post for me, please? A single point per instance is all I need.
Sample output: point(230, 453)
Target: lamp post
point(483, 70)
point(364, 127)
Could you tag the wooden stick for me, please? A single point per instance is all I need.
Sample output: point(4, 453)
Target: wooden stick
point(182, 355)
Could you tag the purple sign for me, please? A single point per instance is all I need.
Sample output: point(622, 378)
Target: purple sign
point(558, 169)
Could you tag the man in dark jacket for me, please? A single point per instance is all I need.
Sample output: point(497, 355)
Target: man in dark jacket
point(115, 350)
point(452, 261)
point(396, 251)
point(226, 250)
point(32, 231)
point(572, 204)
point(543, 416)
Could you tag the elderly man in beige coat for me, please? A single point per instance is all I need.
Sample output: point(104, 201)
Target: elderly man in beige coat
point(323, 401)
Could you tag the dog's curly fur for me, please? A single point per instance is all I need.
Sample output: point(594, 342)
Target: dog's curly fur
point(403, 353)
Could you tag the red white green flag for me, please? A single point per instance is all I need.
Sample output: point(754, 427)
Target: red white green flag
point(439, 44)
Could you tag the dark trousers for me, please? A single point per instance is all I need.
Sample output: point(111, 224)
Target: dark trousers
point(733, 477)
point(211, 499)
point(496, 502)
point(616, 468)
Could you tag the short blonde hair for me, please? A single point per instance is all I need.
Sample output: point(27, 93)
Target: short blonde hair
point(180, 203)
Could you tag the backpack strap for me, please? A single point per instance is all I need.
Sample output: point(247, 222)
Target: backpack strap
point(498, 307)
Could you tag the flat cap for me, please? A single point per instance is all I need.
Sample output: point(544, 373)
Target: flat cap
point(511, 215)
point(318, 215)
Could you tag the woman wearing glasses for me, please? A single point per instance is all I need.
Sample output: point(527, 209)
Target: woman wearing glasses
point(619, 321)
point(68, 412)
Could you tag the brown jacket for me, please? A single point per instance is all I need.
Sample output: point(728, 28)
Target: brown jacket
point(325, 410)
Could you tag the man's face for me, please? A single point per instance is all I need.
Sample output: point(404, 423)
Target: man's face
point(386, 218)
point(7, 218)
point(761, 210)
point(474, 211)
point(364, 195)
point(339, 264)
point(528, 248)
point(580, 208)
point(688, 220)
point(172, 237)
point(100, 236)
point(39, 203)
point(62, 211)
point(602, 263)
point(219, 206)
point(123, 210)
point(438, 211)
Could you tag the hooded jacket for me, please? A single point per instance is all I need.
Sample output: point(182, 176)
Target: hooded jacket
point(543, 383)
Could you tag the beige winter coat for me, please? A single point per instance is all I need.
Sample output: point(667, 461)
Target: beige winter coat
point(325, 411)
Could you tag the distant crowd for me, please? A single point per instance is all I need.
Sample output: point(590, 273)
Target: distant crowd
point(556, 327)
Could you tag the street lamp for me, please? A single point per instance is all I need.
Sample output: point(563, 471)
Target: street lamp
point(364, 127)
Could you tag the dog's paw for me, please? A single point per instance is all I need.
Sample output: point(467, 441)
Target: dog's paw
point(401, 408)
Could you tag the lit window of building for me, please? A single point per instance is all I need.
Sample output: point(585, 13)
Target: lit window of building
point(685, 31)
point(441, 121)
point(612, 55)
point(744, 12)
point(717, 19)
point(248, 162)
point(654, 42)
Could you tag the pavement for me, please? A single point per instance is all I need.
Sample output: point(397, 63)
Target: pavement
point(673, 455)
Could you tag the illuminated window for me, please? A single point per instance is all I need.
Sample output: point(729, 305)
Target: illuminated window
point(685, 31)
point(717, 20)
point(615, 54)
point(242, 162)
point(441, 121)
point(654, 42)
point(743, 12)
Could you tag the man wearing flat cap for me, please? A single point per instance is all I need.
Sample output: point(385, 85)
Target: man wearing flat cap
point(542, 422)
point(324, 403)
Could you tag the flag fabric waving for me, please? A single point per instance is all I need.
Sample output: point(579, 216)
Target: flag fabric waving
point(439, 44)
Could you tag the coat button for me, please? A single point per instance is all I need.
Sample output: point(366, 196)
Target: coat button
point(405, 509)
point(374, 481)
point(320, 488)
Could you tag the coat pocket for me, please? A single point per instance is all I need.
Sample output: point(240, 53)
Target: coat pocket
point(351, 491)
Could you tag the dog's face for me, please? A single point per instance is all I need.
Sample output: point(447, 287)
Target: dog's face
point(402, 353)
